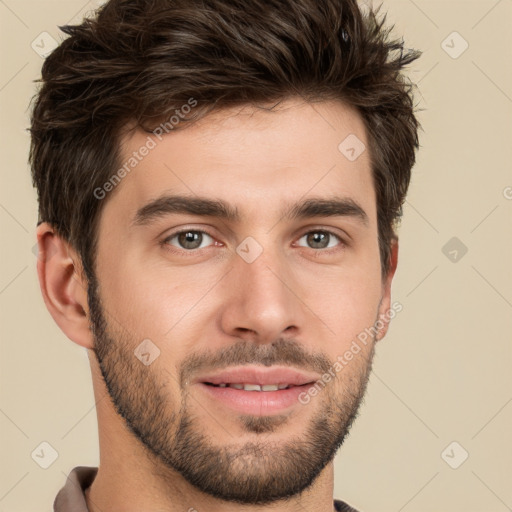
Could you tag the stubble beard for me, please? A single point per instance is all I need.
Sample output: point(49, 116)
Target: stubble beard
point(250, 473)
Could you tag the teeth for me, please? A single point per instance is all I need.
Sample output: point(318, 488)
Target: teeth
point(255, 387)
point(252, 387)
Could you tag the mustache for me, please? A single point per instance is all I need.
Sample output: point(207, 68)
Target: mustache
point(281, 351)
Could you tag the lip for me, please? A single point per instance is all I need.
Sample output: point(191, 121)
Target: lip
point(257, 403)
point(259, 375)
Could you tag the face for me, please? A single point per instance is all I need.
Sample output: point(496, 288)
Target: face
point(259, 276)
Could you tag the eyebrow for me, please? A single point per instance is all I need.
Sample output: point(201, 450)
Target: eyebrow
point(201, 206)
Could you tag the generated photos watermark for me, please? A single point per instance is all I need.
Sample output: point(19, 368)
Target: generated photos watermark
point(144, 150)
point(354, 349)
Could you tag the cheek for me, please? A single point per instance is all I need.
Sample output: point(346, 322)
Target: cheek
point(347, 303)
point(144, 300)
point(342, 293)
point(173, 306)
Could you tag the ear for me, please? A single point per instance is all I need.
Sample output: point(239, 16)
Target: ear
point(385, 303)
point(63, 285)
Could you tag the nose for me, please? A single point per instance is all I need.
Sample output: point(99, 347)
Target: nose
point(260, 300)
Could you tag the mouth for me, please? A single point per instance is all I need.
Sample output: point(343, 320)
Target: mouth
point(257, 391)
point(252, 387)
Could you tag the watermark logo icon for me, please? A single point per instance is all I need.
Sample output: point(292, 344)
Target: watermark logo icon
point(44, 455)
point(146, 352)
point(352, 147)
point(454, 250)
point(454, 455)
point(51, 249)
point(454, 45)
point(249, 250)
point(44, 44)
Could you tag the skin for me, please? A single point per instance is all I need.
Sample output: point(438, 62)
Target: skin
point(295, 304)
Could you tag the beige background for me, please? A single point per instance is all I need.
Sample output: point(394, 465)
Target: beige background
point(443, 372)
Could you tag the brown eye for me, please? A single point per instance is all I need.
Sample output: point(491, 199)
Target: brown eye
point(320, 240)
point(189, 239)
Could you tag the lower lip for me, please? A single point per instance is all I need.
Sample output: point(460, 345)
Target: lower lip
point(256, 403)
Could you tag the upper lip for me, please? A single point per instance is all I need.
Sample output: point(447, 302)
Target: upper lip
point(259, 375)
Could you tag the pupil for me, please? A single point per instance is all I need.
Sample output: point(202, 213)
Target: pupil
point(318, 239)
point(189, 239)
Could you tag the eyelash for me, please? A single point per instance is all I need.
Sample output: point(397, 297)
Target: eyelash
point(193, 252)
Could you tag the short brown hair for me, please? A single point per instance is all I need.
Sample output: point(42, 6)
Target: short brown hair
point(139, 60)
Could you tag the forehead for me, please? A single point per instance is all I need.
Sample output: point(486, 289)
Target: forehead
point(254, 159)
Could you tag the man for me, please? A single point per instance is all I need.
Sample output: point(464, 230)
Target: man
point(218, 186)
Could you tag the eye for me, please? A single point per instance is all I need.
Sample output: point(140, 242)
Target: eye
point(188, 239)
point(320, 239)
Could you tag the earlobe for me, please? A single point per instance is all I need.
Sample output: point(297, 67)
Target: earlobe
point(63, 286)
point(385, 303)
